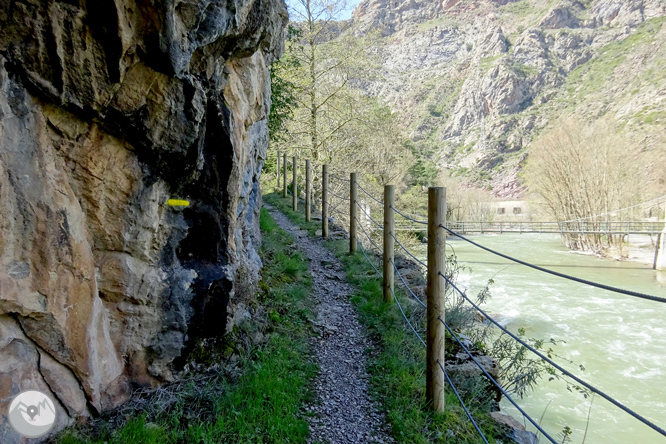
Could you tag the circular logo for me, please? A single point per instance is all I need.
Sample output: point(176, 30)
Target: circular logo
point(32, 414)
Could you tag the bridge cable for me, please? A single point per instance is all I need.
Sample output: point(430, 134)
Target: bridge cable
point(657, 199)
point(407, 286)
point(534, 423)
point(469, 415)
point(562, 275)
point(558, 367)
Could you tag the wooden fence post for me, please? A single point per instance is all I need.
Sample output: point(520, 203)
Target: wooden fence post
point(308, 189)
point(294, 187)
point(278, 170)
point(324, 201)
point(284, 175)
point(389, 244)
point(353, 198)
point(436, 291)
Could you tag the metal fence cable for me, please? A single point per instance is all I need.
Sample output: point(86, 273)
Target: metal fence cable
point(529, 418)
point(405, 316)
point(469, 415)
point(336, 177)
point(369, 195)
point(408, 252)
point(369, 238)
point(368, 259)
point(407, 217)
point(407, 286)
point(562, 275)
point(381, 227)
point(338, 196)
point(558, 367)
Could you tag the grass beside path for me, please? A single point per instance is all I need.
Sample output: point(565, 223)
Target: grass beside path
point(263, 403)
point(398, 369)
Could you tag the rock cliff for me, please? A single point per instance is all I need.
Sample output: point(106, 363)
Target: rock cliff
point(478, 80)
point(107, 110)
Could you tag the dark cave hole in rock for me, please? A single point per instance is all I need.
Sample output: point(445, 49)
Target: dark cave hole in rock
point(205, 247)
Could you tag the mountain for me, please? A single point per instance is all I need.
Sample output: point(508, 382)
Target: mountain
point(477, 81)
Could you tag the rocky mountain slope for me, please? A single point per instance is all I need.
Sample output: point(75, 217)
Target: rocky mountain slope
point(478, 80)
point(107, 110)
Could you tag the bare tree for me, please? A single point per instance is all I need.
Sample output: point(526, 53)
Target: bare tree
point(584, 172)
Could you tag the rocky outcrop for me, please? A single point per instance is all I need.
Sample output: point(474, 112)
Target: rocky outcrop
point(107, 110)
point(477, 81)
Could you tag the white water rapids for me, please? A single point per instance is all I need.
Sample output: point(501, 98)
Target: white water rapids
point(621, 340)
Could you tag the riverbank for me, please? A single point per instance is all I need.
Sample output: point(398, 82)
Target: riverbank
point(639, 248)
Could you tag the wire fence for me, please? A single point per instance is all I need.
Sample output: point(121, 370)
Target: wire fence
point(382, 253)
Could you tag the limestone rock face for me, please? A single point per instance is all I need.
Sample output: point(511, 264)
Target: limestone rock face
point(107, 110)
point(476, 81)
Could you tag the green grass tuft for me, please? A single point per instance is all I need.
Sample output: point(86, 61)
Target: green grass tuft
point(264, 403)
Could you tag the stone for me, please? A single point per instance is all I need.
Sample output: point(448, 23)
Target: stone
point(107, 110)
point(524, 437)
point(504, 419)
point(469, 368)
point(513, 429)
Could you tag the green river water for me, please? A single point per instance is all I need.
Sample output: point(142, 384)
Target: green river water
point(621, 340)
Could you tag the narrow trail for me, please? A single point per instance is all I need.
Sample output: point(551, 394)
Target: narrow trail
point(343, 412)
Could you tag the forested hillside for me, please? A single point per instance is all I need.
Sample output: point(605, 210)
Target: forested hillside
point(472, 85)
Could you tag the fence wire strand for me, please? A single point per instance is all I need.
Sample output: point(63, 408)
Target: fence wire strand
point(369, 238)
point(562, 275)
point(558, 367)
point(455, 392)
point(368, 259)
point(370, 195)
point(381, 227)
point(529, 418)
point(338, 196)
point(406, 319)
point(408, 252)
point(407, 217)
point(407, 286)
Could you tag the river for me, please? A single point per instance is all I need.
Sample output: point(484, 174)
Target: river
point(621, 340)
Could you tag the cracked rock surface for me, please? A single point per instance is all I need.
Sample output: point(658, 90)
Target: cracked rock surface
point(342, 412)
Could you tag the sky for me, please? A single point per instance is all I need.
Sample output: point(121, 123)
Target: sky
point(345, 15)
point(352, 5)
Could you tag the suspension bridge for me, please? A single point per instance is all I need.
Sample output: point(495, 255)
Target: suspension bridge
point(439, 282)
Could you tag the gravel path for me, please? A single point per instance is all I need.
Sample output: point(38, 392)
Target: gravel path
point(343, 410)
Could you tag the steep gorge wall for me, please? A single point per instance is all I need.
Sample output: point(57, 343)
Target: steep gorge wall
point(477, 81)
point(108, 108)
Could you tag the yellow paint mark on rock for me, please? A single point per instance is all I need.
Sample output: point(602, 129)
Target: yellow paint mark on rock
point(178, 203)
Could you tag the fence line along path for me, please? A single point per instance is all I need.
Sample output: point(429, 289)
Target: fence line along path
point(437, 228)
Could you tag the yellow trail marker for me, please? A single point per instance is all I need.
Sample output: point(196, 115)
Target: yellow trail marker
point(178, 203)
